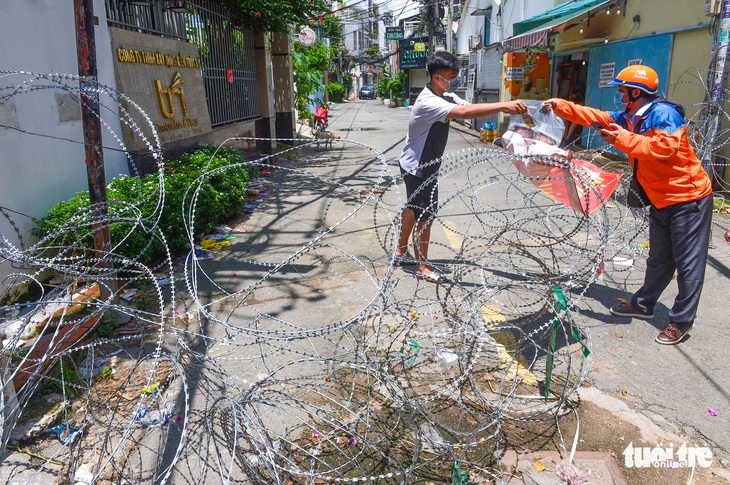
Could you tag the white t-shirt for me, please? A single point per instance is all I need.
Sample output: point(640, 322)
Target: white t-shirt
point(428, 129)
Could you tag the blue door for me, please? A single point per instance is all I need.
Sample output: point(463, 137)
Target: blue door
point(606, 61)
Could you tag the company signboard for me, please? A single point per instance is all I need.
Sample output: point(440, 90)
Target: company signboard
point(394, 33)
point(413, 53)
point(307, 37)
point(164, 78)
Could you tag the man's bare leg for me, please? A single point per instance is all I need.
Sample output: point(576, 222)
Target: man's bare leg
point(420, 242)
point(408, 220)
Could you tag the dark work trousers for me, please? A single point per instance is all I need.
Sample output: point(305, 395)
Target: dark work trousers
point(679, 236)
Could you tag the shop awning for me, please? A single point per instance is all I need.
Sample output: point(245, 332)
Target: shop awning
point(534, 31)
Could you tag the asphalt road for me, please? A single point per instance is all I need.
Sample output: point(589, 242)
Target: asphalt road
point(672, 385)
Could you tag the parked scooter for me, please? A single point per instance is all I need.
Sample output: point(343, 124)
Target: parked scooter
point(320, 119)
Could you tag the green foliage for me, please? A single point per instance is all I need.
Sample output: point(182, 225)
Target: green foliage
point(68, 381)
point(105, 372)
point(216, 184)
point(373, 52)
point(399, 85)
point(383, 87)
point(331, 28)
point(305, 115)
point(65, 218)
point(273, 15)
point(108, 326)
point(336, 91)
point(315, 57)
point(347, 80)
point(309, 65)
point(720, 204)
point(218, 195)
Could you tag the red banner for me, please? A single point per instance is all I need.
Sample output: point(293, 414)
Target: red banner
point(582, 185)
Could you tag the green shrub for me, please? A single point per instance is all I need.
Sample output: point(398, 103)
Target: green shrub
point(336, 91)
point(399, 85)
point(305, 115)
point(383, 87)
point(68, 381)
point(347, 80)
point(214, 185)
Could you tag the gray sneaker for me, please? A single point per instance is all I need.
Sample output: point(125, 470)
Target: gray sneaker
point(631, 311)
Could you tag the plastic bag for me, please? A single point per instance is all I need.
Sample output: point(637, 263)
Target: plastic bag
point(548, 128)
point(543, 135)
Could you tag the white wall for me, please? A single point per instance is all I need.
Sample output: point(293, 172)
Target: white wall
point(489, 72)
point(42, 157)
point(518, 10)
point(403, 9)
point(503, 16)
point(474, 24)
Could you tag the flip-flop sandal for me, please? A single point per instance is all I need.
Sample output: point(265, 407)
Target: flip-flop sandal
point(431, 277)
point(404, 259)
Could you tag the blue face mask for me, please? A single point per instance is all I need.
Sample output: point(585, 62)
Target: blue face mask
point(617, 97)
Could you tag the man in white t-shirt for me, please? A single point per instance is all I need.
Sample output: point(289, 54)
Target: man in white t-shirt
point(428, 132)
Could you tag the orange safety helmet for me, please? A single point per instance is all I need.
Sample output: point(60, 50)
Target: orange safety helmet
point(638, 76)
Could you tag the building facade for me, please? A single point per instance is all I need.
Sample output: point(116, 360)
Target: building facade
point(168, 78)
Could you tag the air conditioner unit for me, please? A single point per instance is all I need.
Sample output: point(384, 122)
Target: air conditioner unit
point(475, 41)
point(712, 7)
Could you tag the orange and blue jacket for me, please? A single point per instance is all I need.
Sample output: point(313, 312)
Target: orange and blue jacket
point(669, 171)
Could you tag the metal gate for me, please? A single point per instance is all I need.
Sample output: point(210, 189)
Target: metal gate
point(228, 63)
point(226, 50)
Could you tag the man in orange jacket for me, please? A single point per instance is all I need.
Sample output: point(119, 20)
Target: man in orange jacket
point(652, 133)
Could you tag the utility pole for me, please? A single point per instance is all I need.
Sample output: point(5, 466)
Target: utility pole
point(432, 16)
point(91, 121)
point(449, 29)
point(717, 78)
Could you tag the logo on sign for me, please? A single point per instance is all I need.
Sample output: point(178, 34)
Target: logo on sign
point(166, 96)
point(307, 37)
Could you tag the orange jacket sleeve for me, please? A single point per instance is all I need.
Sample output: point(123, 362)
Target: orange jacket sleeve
point(583, 115)
point(655, 145)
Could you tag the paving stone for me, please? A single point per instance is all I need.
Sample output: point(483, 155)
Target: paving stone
point(603, 466)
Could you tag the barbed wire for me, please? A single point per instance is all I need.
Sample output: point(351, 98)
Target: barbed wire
point(302, 353)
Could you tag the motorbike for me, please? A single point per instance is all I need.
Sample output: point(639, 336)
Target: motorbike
point(320, 119)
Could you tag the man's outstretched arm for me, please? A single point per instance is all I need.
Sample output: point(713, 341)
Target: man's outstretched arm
point(477, 110)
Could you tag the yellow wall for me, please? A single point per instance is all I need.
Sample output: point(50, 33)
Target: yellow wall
point(656, 16)
point(690, 58)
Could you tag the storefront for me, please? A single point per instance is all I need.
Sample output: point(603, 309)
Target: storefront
point(527, 75)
